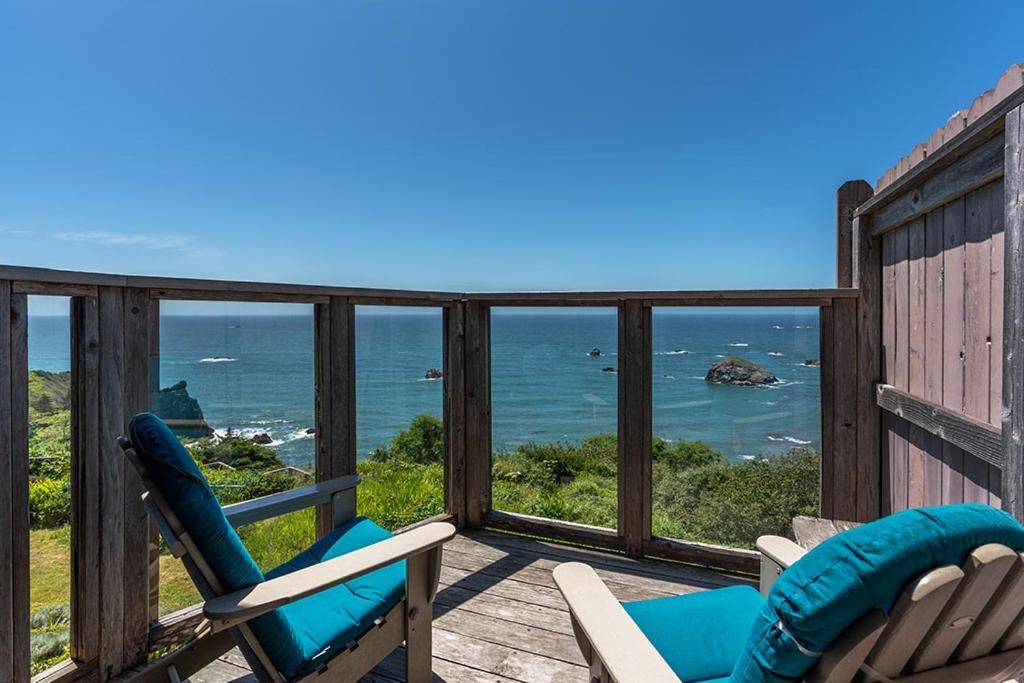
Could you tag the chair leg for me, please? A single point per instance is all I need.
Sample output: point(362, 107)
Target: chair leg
point(418, 617)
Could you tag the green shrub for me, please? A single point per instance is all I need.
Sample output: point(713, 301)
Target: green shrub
point(236, 451)
point(49, 446)
point(49, 502)
point(234, 486)
point(50, 617)
point(422, 442)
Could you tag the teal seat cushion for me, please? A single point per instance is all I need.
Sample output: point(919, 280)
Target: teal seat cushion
point(319, 626)
point(852, 573)
point(700, 635)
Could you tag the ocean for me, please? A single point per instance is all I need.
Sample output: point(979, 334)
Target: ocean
point(254, 374)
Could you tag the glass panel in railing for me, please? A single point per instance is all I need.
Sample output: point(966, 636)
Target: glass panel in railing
point(399, 413)
point(736, 422)
point(553, 405)
point(49, 484)
point(236, 384)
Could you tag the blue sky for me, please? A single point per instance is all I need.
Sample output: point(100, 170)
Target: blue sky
point(468, 145)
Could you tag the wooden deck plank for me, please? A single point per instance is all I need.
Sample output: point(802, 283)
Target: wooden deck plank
point(498, 617)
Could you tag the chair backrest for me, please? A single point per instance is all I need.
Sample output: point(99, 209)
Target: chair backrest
point(849, 589)
point(188, 512)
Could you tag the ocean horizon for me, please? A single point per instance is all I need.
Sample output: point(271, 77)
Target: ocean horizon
point(253, 374)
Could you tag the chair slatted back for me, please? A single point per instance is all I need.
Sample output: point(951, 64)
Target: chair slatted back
point(969, 619)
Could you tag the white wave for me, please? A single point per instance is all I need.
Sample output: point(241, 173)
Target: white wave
point(428, 379)
point(676, 352)
point(789, 439)
point(776, 327)
point(718, 355)
point(740, 344)
point(775, 353)
point(218, 359)
point(668, 377)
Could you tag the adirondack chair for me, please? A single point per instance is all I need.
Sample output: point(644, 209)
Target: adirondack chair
point(330, 614)
point(932, 595)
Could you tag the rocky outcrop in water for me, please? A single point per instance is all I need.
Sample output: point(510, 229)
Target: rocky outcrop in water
point(739, 372)
point(433, 373)
point(182, 412)
point(594, 352)
point(812, 363)
point(608, 369)
point(263, 439)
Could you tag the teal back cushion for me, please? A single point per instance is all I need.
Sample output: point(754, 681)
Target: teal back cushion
point(865, 568)
point(181, 483)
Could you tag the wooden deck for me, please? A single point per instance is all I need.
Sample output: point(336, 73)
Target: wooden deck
point(499, 618)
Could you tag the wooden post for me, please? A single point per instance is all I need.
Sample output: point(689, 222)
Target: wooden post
point(153, 371)
point(14, 514)
point(478, 413)
point(455, 411)
point(826, 345)
point(1013, 317)
point(335, 377)
point(137, 545)
point(849, 196)
point(867, 278)
point(634, 438)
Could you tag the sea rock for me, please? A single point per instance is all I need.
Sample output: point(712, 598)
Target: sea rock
point(174, 404)
point(594, 352)
point(433, 373)
point(812, 362)
point(740, 372)
point(310, 430)
point(608, 369)
point(262, 439)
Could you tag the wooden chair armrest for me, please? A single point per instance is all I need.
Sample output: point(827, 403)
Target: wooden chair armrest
point(241, 606)
point(611, 635)
point(777, 554)
point(277, 504)
point(780, 550)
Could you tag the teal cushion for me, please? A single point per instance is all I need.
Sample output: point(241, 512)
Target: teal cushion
point(319, 626)
point(700, 635)
point(177, 477)
point(852, 573)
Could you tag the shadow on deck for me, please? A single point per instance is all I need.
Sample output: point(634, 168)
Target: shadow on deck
point(499, 618)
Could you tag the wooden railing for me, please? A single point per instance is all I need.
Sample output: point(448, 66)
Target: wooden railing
point(115, 340)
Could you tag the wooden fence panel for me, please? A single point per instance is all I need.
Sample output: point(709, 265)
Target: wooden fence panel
point(942, 312)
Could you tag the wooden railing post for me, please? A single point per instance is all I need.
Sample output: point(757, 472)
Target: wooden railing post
point(455, 411)
point(849, 196)
point(335, 377)
point(137, 541)
point(478, 413)
point(14, 514)
point(634, 438)
point(1013, 317)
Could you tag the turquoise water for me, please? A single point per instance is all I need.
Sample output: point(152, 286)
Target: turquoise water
point(255, 374)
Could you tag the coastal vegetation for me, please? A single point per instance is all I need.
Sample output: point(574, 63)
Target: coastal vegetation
point(697, 495)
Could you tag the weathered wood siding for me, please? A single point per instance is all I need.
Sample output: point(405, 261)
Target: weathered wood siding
point(942, 327)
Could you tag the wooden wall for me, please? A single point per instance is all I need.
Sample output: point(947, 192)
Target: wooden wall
point(942, 329)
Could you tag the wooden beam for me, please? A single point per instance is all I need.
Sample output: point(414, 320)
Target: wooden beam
point(478, 413)
point(455, 411)
point(1013, 318)
point(849, 196)
point(14, 513)
point(85, 518)
point(335, 377)
point(569, 532)
point(974, 436)
point(704, 554)
point(867, 278)
point(634, 437)
point(136, 520)
point(737, 297)
point(979, 167)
